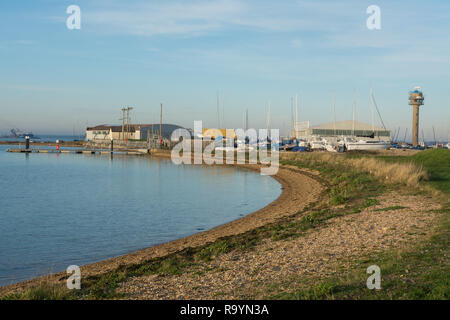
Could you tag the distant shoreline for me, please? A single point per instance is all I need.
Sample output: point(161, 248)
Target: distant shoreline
point(44, 143)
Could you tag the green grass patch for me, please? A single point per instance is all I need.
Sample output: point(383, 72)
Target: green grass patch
point(345, 183)
point(421, 273)
point(391, 208)
point(437, 164)
point(319, 292)
point(215, 249)
point(435, 161)
point(43, 291)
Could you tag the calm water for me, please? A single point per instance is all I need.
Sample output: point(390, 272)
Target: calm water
point(58, 210)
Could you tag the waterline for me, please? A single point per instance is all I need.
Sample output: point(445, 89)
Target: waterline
point(75, 209)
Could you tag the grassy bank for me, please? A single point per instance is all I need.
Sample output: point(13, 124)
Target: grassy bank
point(422, 272)
point(436, 162)
point(352, 185)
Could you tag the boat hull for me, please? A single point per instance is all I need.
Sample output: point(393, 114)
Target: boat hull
point(367, 146)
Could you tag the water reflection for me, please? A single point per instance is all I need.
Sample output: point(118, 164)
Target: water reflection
point(67, 209)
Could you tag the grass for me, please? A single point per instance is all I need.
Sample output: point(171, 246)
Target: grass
point(408, 173)
point(346, 183)
point(436, 162)
point(215, 249)
point(44, 290)
point(323, 290)
point(421, 272)
point(391, 208)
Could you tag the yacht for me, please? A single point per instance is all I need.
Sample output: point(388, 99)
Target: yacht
point(352, 144)
point(317, 143)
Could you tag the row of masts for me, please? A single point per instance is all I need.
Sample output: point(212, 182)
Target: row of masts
point(395, 137)
point(218, 110)
point(295, 114)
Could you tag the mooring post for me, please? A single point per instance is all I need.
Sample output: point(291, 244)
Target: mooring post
point(27, 143)
point(112, 145)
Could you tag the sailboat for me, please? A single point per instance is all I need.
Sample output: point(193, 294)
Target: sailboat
point(265, 142)
point(334, 145)
point(352, 144)
point(365, 144)
point(448, 141)
point(317, 143)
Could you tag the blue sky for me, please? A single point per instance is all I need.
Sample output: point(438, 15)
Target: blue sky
point(180, 53)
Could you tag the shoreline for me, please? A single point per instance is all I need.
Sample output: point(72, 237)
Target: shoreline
point(298, 189)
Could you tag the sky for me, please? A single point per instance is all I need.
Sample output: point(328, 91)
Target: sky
point(181, 53)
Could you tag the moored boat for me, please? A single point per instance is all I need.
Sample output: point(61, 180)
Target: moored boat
point(351, 144)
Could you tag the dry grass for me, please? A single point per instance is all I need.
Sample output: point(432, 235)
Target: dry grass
point(45, 289)
point(406, 173)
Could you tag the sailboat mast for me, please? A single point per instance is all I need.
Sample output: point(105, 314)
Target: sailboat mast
point(246, 120)
point(434, 135)
point(334, 113)
point(371, 110)
point(292, 115)
point(218, 110)
point(353, 112)
point(296, 111)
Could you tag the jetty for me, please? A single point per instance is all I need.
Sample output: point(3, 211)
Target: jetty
point(79, 151)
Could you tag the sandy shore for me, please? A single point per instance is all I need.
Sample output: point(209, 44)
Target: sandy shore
point(298, 191)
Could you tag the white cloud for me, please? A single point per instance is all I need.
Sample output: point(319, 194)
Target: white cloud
point(147, 19)
point(201, 16)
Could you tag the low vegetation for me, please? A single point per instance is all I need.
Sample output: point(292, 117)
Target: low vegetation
point(436, 162)
point(420, 272)
point(44, 290)
point(409, 173)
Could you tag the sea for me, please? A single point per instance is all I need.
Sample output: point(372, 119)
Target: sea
point(58, 210)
